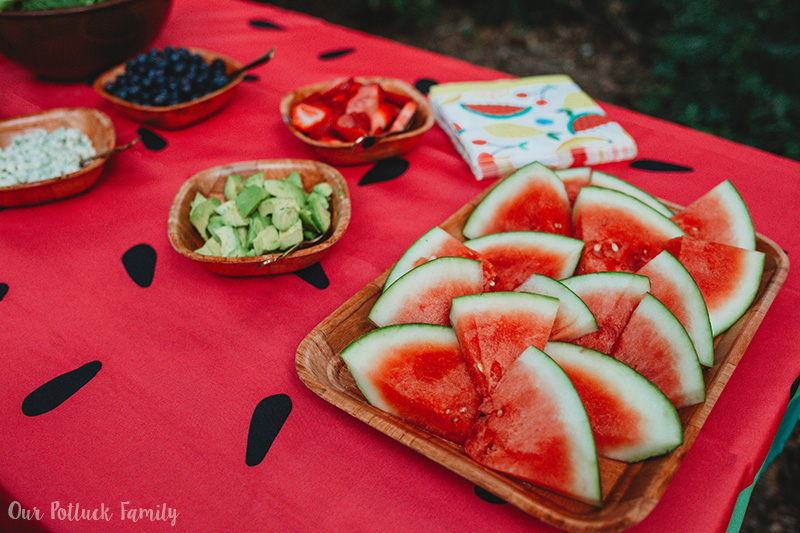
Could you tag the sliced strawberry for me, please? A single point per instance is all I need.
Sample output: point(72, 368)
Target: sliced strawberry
point(351, 127)
point(307, 116)
point(396, 98)
point(366, 100)
point(382, 118)
point(403, 118)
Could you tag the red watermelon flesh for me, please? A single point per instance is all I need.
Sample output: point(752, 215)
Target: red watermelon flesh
point(536, 428)
point(517, 255)
point(631, 419)
point(621, 233)
point(611, 297)
point(728, 277)
point(494, 328)
point(657, 346)
point(424, 293)
point(532, 198)
point(720, 216)
point(497, 110)
point(417, 373)
point(573, 319)
point(574, 179)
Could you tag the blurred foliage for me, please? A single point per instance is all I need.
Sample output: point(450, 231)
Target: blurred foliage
point(42, 5)
point(730, 68)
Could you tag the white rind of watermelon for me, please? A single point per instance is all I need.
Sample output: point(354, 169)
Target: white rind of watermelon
point(603, 179)
point(720, 215)
point(421, 366)
point(655, 344)
point(493, 328)
point(672, 284)
point(434, 243)
point(516, 255)
point(631, 419)
point(574, 318)
point(574, 180)
point(423, 294)
point(548, 204)
point(536, 428)
point(611, 297)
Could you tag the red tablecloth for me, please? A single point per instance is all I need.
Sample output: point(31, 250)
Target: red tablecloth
point(185, 360)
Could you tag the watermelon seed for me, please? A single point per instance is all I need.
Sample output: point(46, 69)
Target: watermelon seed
point(597, 247)
point(614, 247)
point(480, 367)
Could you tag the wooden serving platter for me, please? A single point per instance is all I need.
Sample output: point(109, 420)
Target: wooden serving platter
point(630, 491)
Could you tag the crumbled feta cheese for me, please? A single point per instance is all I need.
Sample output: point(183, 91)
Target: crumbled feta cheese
point(39, 155)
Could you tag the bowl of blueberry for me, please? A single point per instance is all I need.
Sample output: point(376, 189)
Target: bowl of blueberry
point(171, 88)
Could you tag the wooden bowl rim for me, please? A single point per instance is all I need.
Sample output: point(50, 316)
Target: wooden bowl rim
point(96, 115)
point(419, 98)
point(118, 70)
point(342, 220)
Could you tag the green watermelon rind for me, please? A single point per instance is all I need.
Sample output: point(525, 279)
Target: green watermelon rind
point(593, 196)
point(738, 213)
point(699, 326)
point(722, 319)
point(607, 282)
point(475, 108)
point(430, 241)
point(568, 248)
point(506, 190)
point(571, 310)
point(504, 301)
point(420, 279)
point(603, 179)
point(674, 332)
point(661, 425)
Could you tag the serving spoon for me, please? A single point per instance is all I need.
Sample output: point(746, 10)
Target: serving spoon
point(86, 160)
point(255, 63)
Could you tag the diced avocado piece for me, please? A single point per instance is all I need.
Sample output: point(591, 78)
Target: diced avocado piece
point(242, 232)
point(214, 222)
point(201, 213)
point(295, 179)
point(270, 205)
point(292, 236)
point(284, 218)
point(319, 212)
point(232, 217)
point(257, 223)
point(247, 201)
point(324, 188)
point(309, 235)
point(233, 186)
point(230, 245)
point(255, 180)
point(285, 189)
point(309, 225)
point(224, 206)
point(267, 240)
point(198, 199)
point(211, 247)
point(321, 199)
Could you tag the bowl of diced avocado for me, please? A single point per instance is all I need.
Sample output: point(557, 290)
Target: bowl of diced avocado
point(258, 218)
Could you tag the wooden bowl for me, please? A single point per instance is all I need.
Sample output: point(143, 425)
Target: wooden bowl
point(211, 182)
point(341, 153)
point(76, 43)
point(178, 115)
point(95, 124)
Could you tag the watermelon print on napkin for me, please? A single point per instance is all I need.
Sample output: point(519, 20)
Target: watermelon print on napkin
point(499, 126)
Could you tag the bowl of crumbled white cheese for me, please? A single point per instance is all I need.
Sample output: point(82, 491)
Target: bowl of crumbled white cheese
point(43, 156)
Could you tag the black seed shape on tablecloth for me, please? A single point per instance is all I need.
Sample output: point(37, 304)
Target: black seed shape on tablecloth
point(268, 418)
point(333, 54)
point(314, 275)
point(793, 388)
point(264, 24)
point(140, 264)
point(658, 166)
point(56, 391)
point(384, 170)
point(152, 140)
point(250, 77)
point(487, 496)
point(3, 290)
point(424, 85)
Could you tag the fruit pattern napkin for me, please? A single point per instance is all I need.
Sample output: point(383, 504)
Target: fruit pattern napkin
point(501, 125)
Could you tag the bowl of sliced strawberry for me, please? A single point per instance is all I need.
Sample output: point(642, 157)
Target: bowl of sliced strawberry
point(355, 120)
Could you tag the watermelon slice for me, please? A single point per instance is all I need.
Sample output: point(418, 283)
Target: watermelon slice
point(655, 344)
point(574, 179)
point(493, 328)
point(720, 216)
point(621, 232)
point(631, 419)
point(728, 277)
point(516, 255)
point(417, 373)
point(536, 428)
point(436, 242)
point(611, 297)
point(497, 110)
point(603, 179)
point(532, 198)
point(423, 294)
point(573, 319)
point(672, 284)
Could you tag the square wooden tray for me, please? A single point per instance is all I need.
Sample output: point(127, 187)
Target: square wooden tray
point(630, 491)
